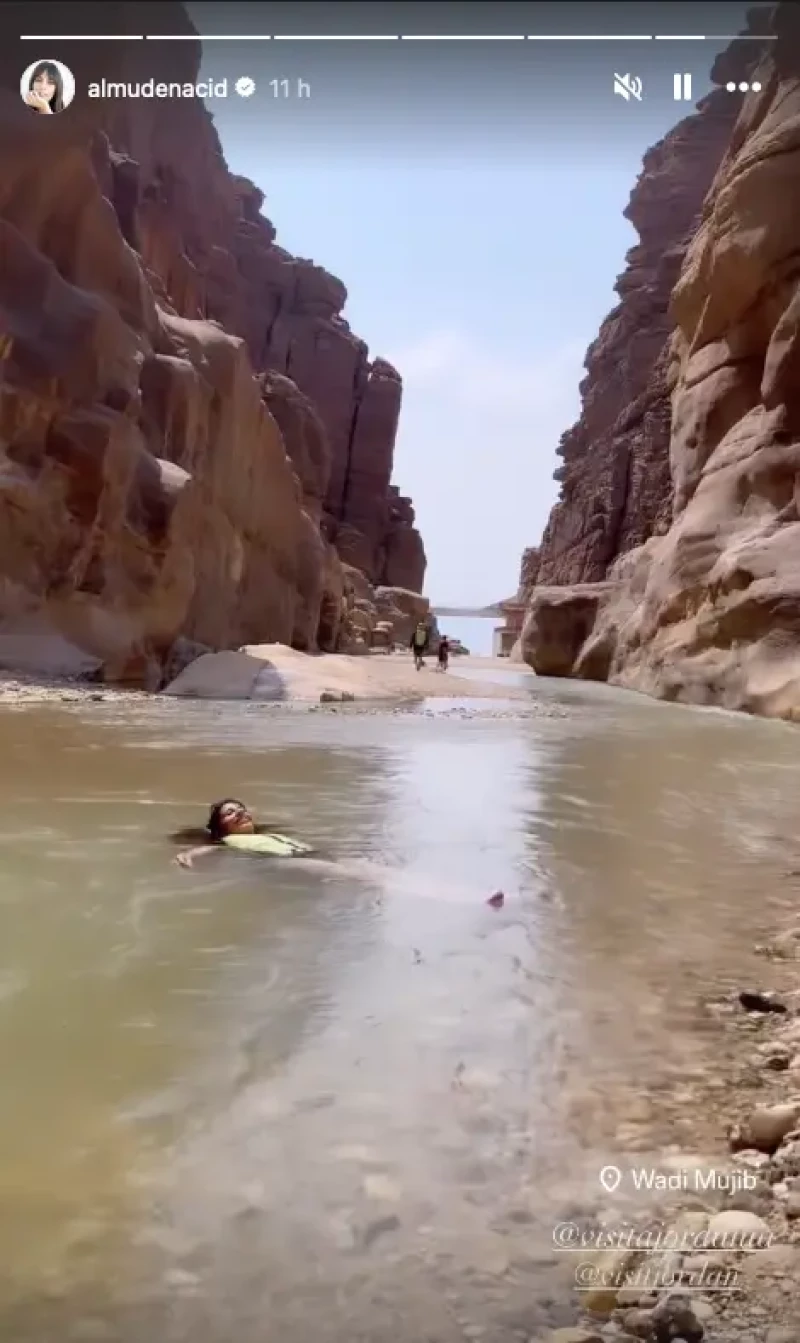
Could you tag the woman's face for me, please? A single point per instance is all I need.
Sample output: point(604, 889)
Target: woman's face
point(43, 86)
point(236, 820)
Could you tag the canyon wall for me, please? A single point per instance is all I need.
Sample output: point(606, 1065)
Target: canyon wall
point(707, 608)
point(193, 444)
point(614, 472)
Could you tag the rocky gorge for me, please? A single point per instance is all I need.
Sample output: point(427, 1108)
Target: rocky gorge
point(197, 451)
point(668, 563)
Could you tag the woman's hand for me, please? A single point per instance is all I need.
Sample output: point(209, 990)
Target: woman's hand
point(39, 103)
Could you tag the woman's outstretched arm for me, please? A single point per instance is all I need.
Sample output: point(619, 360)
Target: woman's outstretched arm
point(187, 856)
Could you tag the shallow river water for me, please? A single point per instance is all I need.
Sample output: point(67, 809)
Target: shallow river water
point(346, 1100)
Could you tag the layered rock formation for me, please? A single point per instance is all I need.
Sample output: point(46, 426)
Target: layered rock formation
point(615, 477)
point(528, 572)
point(151, 486)
point(206, 244)
point(709, 611)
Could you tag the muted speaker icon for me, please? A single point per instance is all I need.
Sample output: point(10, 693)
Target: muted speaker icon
point(628, 86)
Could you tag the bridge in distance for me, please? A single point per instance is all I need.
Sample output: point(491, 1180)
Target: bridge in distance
point(476, 612)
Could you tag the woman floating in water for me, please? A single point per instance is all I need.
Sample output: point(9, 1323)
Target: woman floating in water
point(231, 825)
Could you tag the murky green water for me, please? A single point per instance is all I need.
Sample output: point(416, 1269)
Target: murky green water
point(263, 1101)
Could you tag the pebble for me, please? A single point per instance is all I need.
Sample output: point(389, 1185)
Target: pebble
point(382, 1187)
point(353, 1152)
point(639, 1323)
point(674, 1318)
point(178, 1277)
point(775, 1261)
point(629, 1296)
point(574, 1336)
point(737, 1229)
point(382, 1226)
point(777, 1060)
point(761, 1002)
point(751, 1159)
point(702, 1263)
point(494, 1263)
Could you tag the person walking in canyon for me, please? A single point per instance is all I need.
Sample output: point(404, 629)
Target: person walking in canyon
point(443, 655)
point(420, 641)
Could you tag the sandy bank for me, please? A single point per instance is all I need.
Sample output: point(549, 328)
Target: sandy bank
point(273, 673)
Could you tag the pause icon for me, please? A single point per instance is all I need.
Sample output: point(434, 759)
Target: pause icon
point(682, 88)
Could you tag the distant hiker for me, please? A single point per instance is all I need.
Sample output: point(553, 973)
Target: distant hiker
point(444, 653)
point(419, 643)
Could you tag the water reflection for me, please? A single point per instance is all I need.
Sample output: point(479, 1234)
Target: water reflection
point(648, 823)
point(347, 1099)
point(137, 996)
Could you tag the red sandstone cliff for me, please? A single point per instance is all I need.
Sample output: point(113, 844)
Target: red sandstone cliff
point(615, 476)
point(709, 611)
point(209, 250)
point(151, 486)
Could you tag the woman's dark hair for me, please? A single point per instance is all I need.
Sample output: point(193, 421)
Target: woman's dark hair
point(214, 824)
point(213, 831)
point(54, 75)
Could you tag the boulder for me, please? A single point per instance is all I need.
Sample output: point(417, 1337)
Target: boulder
point(765, 1129)
point(220, 676)
point(557, 625)
point(403, 610)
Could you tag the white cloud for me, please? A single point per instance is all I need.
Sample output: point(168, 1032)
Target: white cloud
point(467, 370)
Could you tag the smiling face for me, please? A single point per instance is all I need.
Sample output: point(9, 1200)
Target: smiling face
point(44, 86)
point(236, 820)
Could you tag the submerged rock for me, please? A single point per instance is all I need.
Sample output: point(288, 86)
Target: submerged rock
point(765, 1129)
point(674, 1319)
point(761, 1002)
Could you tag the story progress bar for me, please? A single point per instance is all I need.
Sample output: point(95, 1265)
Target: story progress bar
point(396, 37)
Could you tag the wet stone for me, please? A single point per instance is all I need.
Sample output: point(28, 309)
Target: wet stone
point(381, 1226)
point(520, 1216)
point(179, 1279)
point(382, 1187)
point(674, 1318)
point(638, 1323)
point(494, 1263)
point(311, 1103)
point(577, 1335)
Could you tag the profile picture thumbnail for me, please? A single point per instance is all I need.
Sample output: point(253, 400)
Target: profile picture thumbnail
point(47, 87)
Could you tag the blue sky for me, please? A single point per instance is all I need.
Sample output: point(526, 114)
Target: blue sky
point(483, 279)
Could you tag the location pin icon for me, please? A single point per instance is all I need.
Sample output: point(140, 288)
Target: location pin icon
point(610, 1178)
